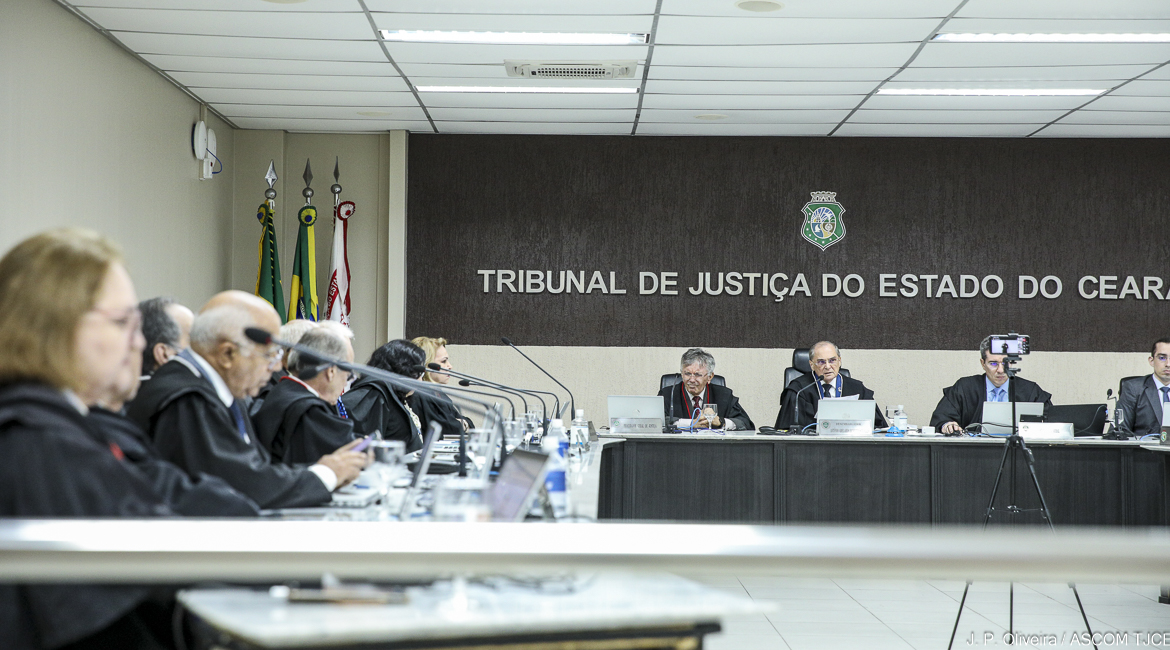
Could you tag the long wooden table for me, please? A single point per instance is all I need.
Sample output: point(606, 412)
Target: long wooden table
point(755, 478)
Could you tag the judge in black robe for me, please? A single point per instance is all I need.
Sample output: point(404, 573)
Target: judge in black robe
point(676, 400)
point(297, 426)
point(54, 463)
point(192, 427)
point(375, 406)
point(437, 408)
point(808, 398)
point(963, 402)
point(200, 496)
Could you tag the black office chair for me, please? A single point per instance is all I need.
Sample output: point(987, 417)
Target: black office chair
point(800, 366)
point(675, 378)
point(1087, 419)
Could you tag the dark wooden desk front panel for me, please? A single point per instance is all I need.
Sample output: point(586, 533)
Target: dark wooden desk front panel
point(876, 481)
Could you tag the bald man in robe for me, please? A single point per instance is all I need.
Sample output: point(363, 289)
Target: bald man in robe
point(193, 409)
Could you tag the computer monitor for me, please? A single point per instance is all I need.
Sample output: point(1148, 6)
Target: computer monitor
point(845, 417)
point(519, 480)
point(997, 416)
point(636, 414)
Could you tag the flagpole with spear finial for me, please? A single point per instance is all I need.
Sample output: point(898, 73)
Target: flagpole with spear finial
point(268, 284)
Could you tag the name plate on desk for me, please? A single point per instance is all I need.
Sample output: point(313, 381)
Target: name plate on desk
point(635, 425)
point(845, 428)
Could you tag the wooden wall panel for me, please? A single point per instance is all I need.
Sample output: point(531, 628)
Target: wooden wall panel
point(924, 206)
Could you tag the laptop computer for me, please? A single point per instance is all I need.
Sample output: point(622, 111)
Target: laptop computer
point(997, 416)
point(420, 471)
point(845, 417)
point(636, 414)
point(519, 481)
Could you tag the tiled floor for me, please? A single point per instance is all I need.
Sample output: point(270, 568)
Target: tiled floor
point(823, 614)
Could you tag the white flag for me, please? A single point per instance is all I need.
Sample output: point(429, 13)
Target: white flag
point(337, 300)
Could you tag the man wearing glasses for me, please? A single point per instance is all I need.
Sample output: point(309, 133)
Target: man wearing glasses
point(193, 409)
point(827, 382)
point(298, 421)
point(1144, 400)
point(962, 403)
point(686, 400)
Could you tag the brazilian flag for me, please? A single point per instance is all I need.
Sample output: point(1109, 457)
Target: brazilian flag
point(268, 284)
point(302, 298)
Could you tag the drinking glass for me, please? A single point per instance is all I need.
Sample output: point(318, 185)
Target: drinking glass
point(513, 434)
point(710, 411)
point(389, 464)
point(461, 499)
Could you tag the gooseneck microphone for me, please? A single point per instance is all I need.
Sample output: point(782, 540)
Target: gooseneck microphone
point(434, 367)
point(572, 401)
point(796, 400)
point(492, 416)
point(420, 369)
point(523, 402)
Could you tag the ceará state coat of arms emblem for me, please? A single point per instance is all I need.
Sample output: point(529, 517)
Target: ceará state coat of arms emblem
point(823, 226)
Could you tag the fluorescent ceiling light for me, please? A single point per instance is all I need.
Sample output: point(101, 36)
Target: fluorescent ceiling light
point(1053, 38)
point(513, 38)
point(519, 89)
point(999, 92)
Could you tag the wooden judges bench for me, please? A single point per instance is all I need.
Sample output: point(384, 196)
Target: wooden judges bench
point(774, 479)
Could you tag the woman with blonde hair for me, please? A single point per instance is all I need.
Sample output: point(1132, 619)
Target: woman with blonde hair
point(441, 410)
point(436, 349)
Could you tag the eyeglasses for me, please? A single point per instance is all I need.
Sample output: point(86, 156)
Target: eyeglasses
point(996, 364)
point(270, 353)
point(1162, 358)
point(694, 375)
point(129, 319)
point(832, 361)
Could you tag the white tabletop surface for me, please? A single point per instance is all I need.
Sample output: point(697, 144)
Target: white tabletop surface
point(610, 601)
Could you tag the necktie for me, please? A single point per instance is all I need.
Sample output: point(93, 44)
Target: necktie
point(999, 395)
point(828, 389)
point(341, 409)
point(1165, 393)
point(238, 414)
point(696, 404)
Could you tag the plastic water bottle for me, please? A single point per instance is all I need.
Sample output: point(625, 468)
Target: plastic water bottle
point(901, 422)
point(555, 444)
point(579, 434)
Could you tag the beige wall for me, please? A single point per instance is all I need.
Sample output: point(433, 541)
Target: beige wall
point(89, 136)
point(364, 161)
point(913, 378)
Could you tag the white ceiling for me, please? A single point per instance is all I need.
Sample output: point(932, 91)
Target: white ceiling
point(810, 69)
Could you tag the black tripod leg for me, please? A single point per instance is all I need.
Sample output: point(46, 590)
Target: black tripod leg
point(1083, 615)
point(1036, 482)
point(995, 488)
point(958, 616)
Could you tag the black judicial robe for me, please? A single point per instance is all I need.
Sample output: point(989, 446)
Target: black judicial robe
point(201, 496)
point(192, 428)
point(808, 400)
point(296, 426)
point(53, 465)
point(963, 402)
point(258, 400)
point(437, 408)
point(728, 403)
point(375, 406)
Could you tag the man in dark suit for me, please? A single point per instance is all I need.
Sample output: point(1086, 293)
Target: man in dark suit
point(1143, 399)
point(193, 410)
point(696, 391)
point(962, 404)
point(827, 381)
